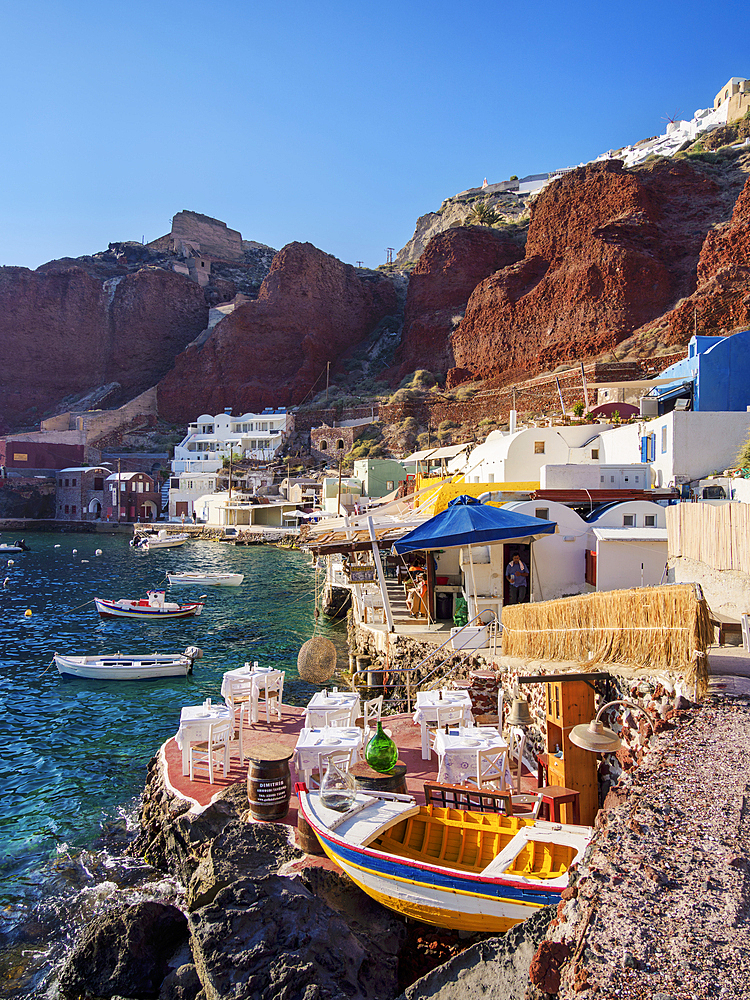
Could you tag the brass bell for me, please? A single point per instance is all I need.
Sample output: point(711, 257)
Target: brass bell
point(520, 714)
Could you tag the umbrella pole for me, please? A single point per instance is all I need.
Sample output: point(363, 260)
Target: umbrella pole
point(473, 581)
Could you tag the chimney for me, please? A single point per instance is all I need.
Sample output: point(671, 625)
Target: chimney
point(512, 422)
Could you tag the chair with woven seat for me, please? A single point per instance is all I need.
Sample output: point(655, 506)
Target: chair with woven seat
point(445, 717)
point(320, 719)
point(526, 806)
point(239, 700)
point(219, 735)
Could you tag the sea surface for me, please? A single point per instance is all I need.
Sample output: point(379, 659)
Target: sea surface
point(74, 753)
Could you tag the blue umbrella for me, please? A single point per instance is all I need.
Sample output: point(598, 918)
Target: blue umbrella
point(466, 521)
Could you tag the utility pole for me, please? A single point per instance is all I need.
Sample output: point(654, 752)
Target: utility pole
point(389, 254)
point(359, 263)
point(118, 491)
point(338, 495)
point(328, 372)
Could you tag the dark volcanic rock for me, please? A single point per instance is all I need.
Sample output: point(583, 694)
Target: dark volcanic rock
point(608, 250)
point(452, 265)
point(271, 939)
point(64, 333)
point(125, 953)
point(311, 308)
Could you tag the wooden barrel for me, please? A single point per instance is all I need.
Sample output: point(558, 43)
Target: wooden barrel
point(269, 783)
point(393, 781)
point(306, 837)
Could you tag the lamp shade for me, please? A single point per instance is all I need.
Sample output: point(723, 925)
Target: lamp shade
point(520, 714)
point(595, 736)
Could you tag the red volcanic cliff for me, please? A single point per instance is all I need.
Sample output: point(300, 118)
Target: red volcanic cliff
point(311, 308)
point(608, 250)
point(721, 302)
point(65, 333)
point(452, 265)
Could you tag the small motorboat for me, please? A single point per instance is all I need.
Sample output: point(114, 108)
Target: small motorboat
point(161, 540)
point(138, 667)
point(447, 867)
point(153, 609)
point(207, 579)
point(17, 546)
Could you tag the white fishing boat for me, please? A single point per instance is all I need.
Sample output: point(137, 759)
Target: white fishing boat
point(207, 579)
point(14, 547)
point(136, 667)
point(154, 608)
point(161, 540)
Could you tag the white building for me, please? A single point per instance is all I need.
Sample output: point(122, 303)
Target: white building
point(682, 446)
point(339, 499)
point(185, 489)
point(240, 512)
point(518, 456)
point(627, 546)
point(558, 561)
point(212, 439)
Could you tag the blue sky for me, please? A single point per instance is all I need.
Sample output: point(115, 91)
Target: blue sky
point(334, 123)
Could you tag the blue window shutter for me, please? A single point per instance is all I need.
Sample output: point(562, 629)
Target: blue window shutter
point(644, 449)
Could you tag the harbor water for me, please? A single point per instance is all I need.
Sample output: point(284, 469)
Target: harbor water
point(75, 752)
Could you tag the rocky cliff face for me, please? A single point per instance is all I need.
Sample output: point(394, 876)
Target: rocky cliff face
point(449, 270)
point(311, 309)
point(608, 251)
point(65, 332)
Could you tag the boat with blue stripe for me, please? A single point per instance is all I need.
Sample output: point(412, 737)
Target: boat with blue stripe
point(448, 867)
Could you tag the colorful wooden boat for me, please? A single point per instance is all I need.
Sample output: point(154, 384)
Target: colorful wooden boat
point(153, 609)
point(207, 579)
point(447, 867)
point(117, 667)
point(160, 540)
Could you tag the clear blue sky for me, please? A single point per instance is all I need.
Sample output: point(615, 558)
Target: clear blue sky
point(330, 122)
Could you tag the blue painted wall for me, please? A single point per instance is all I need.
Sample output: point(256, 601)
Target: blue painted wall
point(720, 367)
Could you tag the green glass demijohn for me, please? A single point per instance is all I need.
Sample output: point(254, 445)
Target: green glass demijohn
point(381, 753)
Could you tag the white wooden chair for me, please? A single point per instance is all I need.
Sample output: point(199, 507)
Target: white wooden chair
point(445, 716)
point(268, 690)
point(526, 806)
point(372, 711)
point(492, 769)
point(745, 626)
point(517, 745)
point(219, 735)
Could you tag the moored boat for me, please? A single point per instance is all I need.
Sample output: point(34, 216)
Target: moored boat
point(151, 609)
point(160, 540)
point(207, 579)
point(447, 867)
point(136, 667)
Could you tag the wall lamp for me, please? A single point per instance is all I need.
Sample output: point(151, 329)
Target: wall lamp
point(595, 736)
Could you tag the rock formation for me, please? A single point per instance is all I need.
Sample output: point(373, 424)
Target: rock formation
point(311, 308)
point(721, 302)
point(65, 332)
point(448, 271)
point(608, 250)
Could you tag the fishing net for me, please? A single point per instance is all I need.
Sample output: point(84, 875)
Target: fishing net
point(316, 660)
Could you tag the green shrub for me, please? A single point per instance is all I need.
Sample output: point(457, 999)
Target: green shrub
point(578, 408)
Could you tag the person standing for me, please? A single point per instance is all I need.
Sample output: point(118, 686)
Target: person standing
point(516, 574)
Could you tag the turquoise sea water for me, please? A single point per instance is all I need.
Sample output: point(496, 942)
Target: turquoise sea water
point(74, 753)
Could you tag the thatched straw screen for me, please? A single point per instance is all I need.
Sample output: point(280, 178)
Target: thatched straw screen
point(648, 629)
point(717, 536)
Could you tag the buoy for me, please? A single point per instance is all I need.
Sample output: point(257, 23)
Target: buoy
point(11, 562)
point(6, 581)
point(27, 613)
point(57, 546)
point(84, 560)
point(98, 552)
point(74, 551)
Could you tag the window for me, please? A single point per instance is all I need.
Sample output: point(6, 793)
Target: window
point(595, 454)
point(67, 482)
point(390, 485)
point(649, 521)
point(664, 439)
point(542, 513)
point(628, 520)
point(611, 479)
point(73, 482)
point(174, 484)
point(539, 447)
point(324, 446)
point(66, 509)
point(59, 482)
point(491, 477)
point(340, 444)
point(73, 509)
point(99, 483)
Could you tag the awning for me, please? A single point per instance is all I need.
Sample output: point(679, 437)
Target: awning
point(450, 451)
point(630, 534)
point(417, 456)
point(333, 542)
point(466, 521)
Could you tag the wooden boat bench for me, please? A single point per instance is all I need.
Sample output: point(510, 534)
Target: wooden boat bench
point(464, 797)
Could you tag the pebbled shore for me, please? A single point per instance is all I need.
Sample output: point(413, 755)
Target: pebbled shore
point(661, 910)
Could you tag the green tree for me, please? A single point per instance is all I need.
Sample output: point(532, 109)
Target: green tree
point(482, 214)
point(743, 459)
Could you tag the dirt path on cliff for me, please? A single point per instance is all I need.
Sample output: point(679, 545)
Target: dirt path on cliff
point(664, 913)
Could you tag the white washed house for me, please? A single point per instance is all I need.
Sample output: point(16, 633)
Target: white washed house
point(211, 439)
point(518, 456)
point(627, 546)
